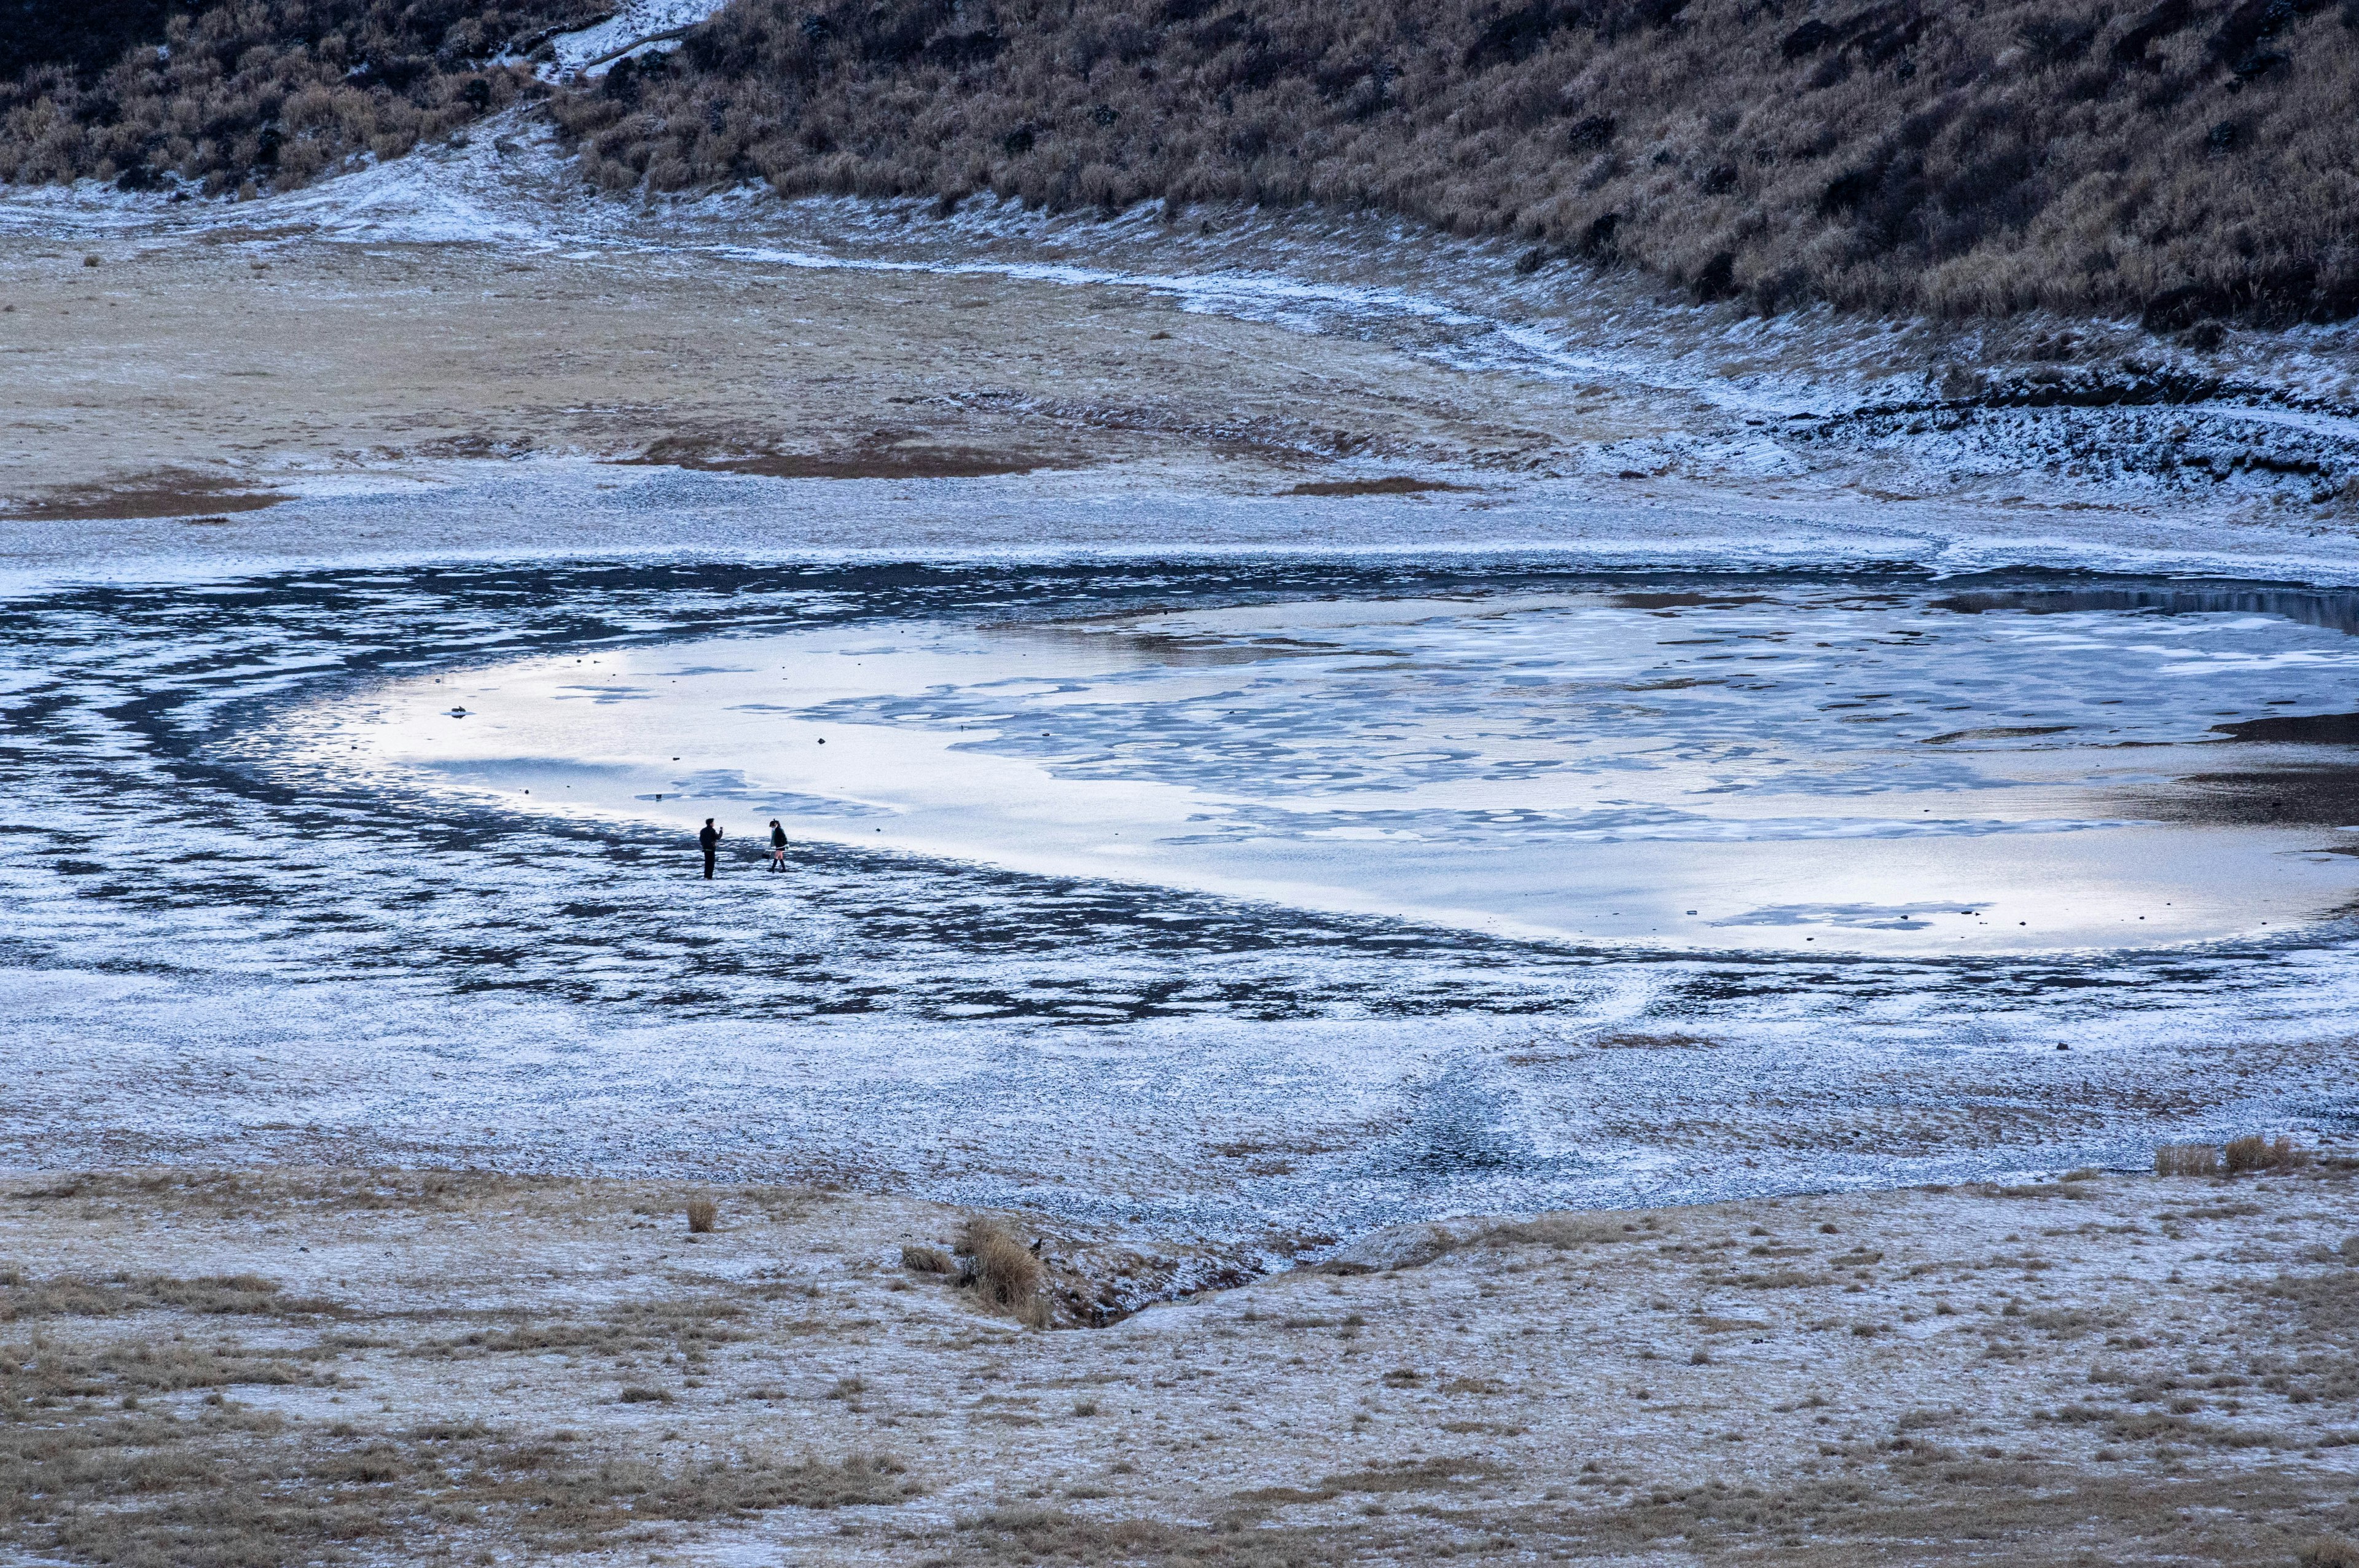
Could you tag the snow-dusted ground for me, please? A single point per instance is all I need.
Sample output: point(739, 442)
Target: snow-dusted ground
point(2136, 1369)
point(635, 26)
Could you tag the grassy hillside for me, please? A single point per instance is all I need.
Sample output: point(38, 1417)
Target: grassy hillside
point(2186, 160)
point(252, 94)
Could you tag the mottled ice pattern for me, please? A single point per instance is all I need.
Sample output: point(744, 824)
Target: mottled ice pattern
point(1652, 768)
point(246, 911)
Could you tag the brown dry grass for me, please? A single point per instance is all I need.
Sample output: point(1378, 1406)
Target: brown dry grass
point(2192, 158)
point(89, 1472)
point(1673, 1040)
point(2254, 1153)
point(703, 1215)
point(240, 96)
point(160, 494)
point(2186, 1160)
point(926, 1259)
point(2183, 159)
point(1004, 1273)
point(884, 455)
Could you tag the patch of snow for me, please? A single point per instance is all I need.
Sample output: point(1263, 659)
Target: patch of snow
point(592, 51)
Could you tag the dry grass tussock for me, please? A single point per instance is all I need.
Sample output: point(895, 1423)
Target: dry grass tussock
point(1004, 1272)
point(2250, 1152)
point(1563, 1232)
point(2185, 158)
point(2186, 1160)
point(237, 95)
point(23, 1298)
point(702, 1215)
point(2254, 1153)
point(926, 1260)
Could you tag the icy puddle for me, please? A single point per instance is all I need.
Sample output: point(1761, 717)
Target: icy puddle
point(1779, 767)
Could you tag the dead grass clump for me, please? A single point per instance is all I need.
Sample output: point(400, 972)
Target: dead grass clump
point(2186, 1160)
point(1779, 1280)
point(222, 1486)
point(1049, 1535)
point(882, 456)
point(72, 1295)
point(1438, 1474)
point(2254, 1153)
point(1004, 1271)
point(926, 1260)
point(867, 1481)
point(2328, 1551)
point(704, 1213)
point(1561, 1232)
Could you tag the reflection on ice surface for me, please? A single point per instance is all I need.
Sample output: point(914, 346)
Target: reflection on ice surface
point(1772, 766)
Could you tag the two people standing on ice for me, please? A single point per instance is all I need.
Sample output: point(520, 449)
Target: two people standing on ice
point(709, 841)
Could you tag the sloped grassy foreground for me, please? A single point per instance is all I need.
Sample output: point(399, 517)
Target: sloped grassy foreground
point(304, 1366)
point(2192, 160)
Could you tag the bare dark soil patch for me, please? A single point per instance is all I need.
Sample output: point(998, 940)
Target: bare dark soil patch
point(2303, 728)
point(2322, 796)
point(160, 496)
point(862, 462)
point(1394, 484)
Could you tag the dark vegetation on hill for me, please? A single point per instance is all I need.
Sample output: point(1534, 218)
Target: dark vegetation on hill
point(2184, 159)
point(253, 92)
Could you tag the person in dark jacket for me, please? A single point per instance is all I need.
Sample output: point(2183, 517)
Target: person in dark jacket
point(710, 842)
point(777, 846)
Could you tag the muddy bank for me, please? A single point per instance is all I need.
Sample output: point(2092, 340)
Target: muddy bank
point(469, 317)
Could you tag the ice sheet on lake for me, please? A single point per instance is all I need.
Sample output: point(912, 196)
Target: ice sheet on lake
point(1574, 767)
point(221, 939)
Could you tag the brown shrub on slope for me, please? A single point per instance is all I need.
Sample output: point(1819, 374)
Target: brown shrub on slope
point(2196, 157)
point(272, 91)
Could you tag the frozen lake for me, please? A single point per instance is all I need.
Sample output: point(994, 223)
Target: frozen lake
point(1262, 897)
point(1870, 767)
